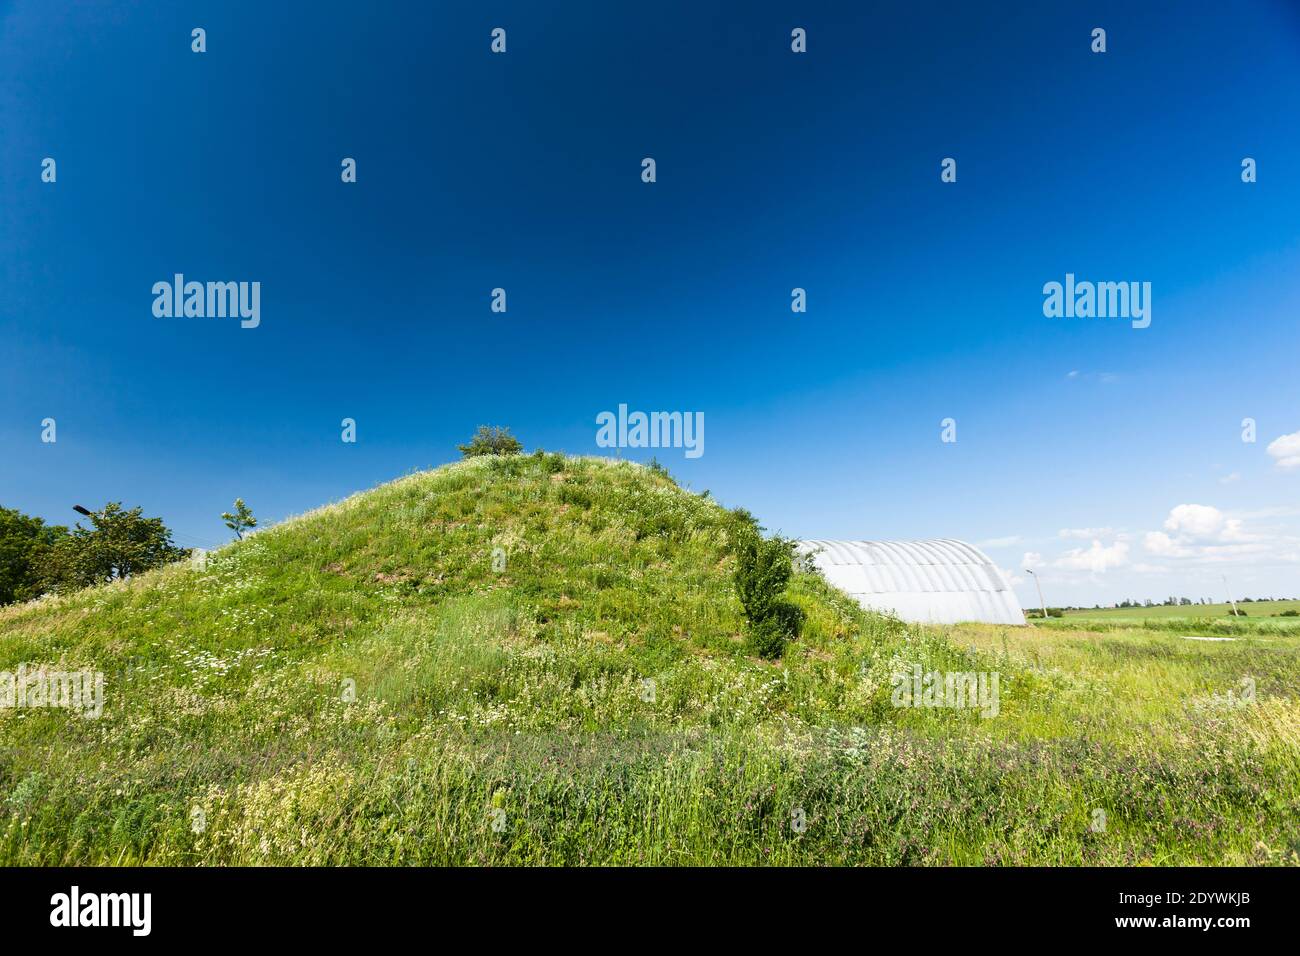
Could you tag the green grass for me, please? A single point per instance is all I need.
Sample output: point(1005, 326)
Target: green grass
point(361, 686)
point(1269, 614)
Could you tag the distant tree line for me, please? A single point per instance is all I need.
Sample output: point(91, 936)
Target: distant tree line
point(1167, 602)
point(38, 558)
point(1051, 612)
point(1180, 602)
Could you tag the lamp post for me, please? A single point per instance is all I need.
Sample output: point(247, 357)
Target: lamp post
point(1038, 585)
point(1229, 592)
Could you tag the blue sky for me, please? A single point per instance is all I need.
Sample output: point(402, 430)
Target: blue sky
point(1078, 440)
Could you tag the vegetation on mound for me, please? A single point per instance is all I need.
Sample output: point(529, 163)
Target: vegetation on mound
point(538, 659)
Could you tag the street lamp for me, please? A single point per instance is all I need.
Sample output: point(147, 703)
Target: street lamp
point(1040, 592)
point(1229, 593)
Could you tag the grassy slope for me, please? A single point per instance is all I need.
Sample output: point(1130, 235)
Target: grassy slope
point(520, 691)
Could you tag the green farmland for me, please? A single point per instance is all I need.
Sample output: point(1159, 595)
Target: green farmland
point(1255, 617)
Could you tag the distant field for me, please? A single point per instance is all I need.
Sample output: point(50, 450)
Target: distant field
point(1269, 610)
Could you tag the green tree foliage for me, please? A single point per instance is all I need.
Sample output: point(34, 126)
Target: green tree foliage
point(118, 544)
point(242, 520)
point(24, 544)
point(491, 440)
point(763, 569)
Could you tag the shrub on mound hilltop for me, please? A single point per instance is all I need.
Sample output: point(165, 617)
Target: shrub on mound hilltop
point(491, 440)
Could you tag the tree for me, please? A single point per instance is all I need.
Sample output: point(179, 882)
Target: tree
point(118, 544)
point(24, 544)
point(242, 520)
point(491, 440)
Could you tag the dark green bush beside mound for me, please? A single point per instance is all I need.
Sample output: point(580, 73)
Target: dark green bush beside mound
point(763, 569)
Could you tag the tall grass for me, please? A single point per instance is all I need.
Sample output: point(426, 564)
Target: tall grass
point(365, 685)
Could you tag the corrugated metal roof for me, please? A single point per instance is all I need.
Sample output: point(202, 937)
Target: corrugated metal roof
point(941, 581)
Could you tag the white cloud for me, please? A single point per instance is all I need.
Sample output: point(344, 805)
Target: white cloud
point(1012, 577)
point(1203, 523)
point(1286, 449)
point(1208, 535)
point(1287, 511)
point(1157, 542)
point(1186, 552)
point(1229, 479)
point(1086, 534)
point(1097, 558)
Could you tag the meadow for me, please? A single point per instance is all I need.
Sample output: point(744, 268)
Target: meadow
point(541, 660)
point(1255, 616)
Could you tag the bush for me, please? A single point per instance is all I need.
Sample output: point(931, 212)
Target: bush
point(767, 639)
point(491, 440)
point(1051, 612)
point(763, 569)
point(1290, 613)
point(769, 635)
point(551, 463)
point(657, 468)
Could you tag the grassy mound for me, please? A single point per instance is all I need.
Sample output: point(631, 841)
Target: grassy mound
point(541, 660)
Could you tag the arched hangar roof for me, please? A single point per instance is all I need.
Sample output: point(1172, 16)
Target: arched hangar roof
point(940, 581)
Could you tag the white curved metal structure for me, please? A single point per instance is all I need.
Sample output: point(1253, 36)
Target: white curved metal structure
point(926, 582)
